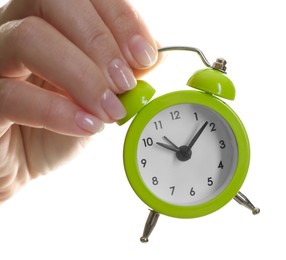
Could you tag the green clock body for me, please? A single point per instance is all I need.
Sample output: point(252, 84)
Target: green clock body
point(186, 154)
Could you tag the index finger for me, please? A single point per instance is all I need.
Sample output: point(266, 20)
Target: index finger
point(132, 35)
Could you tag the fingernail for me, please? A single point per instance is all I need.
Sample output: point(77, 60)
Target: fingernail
point(121, 75)
point(142, 51)
point(112, 105)
point(88, 122)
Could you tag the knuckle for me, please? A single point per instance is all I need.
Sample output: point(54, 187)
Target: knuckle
point(49, 112)
point(129, 17)
point(97, 38)
point(87, 74)
point(23, 31)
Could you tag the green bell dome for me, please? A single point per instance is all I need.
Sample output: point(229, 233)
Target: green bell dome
point(135, 99)
point(213, 81)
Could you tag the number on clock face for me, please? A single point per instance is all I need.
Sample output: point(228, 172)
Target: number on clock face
point(187, 154)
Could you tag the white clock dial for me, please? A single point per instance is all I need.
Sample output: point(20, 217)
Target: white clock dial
point(187, 154)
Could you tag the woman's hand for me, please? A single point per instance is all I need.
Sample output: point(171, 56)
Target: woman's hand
point(62, 64)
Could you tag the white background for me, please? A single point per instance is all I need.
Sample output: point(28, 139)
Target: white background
point(87, 210)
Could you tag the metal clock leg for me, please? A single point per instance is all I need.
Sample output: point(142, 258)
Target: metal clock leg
point(244, 201)
point(154, 216)
point(149, 225)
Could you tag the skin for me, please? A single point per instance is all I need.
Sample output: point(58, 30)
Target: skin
point(62, 64)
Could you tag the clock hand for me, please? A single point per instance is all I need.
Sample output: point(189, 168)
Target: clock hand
point(175, 146)
point(196, 137)
point(169, 147)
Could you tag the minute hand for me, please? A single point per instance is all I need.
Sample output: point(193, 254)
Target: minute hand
point(197, 135)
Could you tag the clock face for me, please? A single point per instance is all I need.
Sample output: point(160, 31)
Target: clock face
point(187, 154)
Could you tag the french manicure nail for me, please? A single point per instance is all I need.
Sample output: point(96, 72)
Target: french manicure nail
point(88, 122)
point(112, 105)
point(142, 51)
point(121, 75)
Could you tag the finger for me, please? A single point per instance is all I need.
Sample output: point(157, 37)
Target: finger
point(25, 104)
point(140, 73)
point(91, 35)
point(82, 25)
point(8, 192)
point(34, 44)
point(131, 33)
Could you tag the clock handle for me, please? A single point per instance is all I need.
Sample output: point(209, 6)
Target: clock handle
point(244, 201)
point(219, 64)
point(149, 225)
point(185, 48)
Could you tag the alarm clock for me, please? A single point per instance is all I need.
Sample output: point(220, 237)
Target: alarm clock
point(186, 153)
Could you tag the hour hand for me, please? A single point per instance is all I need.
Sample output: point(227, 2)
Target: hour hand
point(169, 147)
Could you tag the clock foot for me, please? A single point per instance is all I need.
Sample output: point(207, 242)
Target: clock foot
point(244, 201)
point(149, 225)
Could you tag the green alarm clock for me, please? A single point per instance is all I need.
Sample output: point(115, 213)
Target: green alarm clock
point(186, 153)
